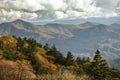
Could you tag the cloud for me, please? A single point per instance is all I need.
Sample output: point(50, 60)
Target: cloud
point(57, 9)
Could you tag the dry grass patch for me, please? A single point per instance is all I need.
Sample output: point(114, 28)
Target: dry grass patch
point(63, 75)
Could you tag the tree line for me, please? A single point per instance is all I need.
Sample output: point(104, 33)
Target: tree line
point(97, 67)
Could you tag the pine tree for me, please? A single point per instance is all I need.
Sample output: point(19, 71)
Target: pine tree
point(53, 48)
point(69, 59)
point(58, 57)
point(46, 47)
point(1, 45)
point(79, 61)
point(99, 68)
point(80, 71)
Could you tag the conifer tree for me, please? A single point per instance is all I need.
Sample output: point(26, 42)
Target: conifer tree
point(99, 68)
point(58, 56)
point(78, 60)
point(53, 48)
point(1, 45)
point(46, 47)
point(69, 59)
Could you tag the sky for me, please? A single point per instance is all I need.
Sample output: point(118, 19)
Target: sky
point(37, 10)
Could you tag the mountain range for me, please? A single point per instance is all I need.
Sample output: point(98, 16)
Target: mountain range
point(81, 39)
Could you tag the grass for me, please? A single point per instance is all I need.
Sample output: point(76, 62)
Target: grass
point(62, 75)
point(44, 61)
point(10, 70)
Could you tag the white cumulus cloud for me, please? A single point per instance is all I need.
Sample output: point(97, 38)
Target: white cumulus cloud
point(57, 9)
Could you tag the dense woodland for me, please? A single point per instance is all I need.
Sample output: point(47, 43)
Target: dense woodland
point(48, 60)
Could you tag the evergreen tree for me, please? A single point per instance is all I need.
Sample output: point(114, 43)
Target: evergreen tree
point(88, 59)
point(1, 45)
point(57, 55)
point(99, 68)
point(78, 60)
point(83, 59)
point(69, 59)
point(53, 48)
point(46, 46)
point(80, 70)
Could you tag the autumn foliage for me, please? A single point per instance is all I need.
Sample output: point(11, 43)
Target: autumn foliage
point(26, 59)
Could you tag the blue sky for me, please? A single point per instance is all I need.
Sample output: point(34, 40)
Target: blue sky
point(49, 10)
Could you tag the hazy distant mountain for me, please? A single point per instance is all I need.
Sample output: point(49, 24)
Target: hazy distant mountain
point(116, 25)
point(22, 28)
point(81, 39)
point(101, 20)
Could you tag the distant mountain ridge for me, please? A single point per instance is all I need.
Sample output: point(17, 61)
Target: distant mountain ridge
point(81, 39)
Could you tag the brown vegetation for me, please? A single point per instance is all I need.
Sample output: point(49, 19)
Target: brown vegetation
point(25, 59)
point(10, 70)
point(63, 75)
point(8, 40)
point(44, 62)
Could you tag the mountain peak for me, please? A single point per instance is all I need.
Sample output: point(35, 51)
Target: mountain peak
point(18, 20)
point(115, 24)
point(21, 21)
point(91, 23)
point(53, 24)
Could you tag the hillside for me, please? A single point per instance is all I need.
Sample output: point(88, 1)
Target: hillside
point(10, 47)
point(81, 39)
point(19, 56)
point(25, 59)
